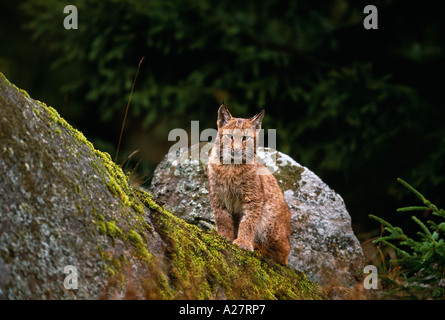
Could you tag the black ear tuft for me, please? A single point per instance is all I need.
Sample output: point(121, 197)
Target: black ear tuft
point(257, 119)
point(223, 116)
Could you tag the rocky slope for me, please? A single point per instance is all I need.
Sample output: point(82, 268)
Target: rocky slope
point(64, 203)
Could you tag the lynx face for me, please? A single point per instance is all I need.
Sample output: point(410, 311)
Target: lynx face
point(237, 146)
point(237, 138)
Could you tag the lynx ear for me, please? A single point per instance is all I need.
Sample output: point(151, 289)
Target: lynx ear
point(256, 120)
point(223, 116)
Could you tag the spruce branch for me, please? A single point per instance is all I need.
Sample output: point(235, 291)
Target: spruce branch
point(409, 187)
point(428, 205)
point(424, 262)
point(409, 209)
point(423, 227)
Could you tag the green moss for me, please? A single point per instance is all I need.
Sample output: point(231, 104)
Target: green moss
point(14, 86)
point(117, 181)
point(288, 176)
point(111, 272)
point(202, 265)
point(112, 230)
point(165, 291)
point(140, 245)
point(118, 184)
point(100, 223)
point(101, 227)
point(135, 237)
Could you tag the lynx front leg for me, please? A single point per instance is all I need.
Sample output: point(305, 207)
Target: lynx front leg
point(224, 223)
point(247, 228)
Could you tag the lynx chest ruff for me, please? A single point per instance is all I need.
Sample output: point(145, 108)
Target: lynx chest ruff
point(233, 189)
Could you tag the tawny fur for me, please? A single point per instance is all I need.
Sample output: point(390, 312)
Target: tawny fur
point(249, 208)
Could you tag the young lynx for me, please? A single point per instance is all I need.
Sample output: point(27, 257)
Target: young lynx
point(249, 207)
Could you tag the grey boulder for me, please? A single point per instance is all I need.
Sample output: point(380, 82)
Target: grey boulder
point(323, 244)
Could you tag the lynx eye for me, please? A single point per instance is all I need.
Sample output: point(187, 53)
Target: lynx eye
point(247, 138)
point(228, 136)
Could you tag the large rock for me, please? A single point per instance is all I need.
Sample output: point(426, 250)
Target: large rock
point(323, 244)
point(64, 203)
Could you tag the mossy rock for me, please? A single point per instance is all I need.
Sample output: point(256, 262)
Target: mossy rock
point(65, 203)
point(323, 244)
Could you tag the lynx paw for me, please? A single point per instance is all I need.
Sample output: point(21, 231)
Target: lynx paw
point(243, 245)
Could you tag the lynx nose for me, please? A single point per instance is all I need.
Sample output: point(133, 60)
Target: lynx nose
point(237, 150)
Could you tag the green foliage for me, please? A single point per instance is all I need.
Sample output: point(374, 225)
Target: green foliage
point(249, 54)
point(424, 258)
point(346, 102)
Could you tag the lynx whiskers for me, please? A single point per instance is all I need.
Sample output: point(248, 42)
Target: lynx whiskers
point(237, 147)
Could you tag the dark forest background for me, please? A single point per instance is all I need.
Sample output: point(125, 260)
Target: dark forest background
point(358, 107)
